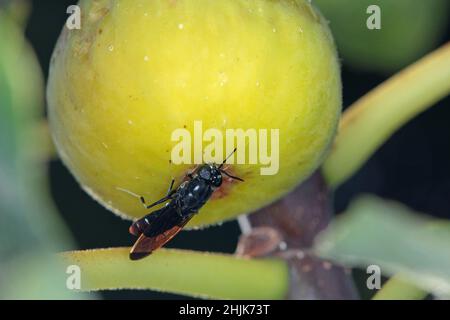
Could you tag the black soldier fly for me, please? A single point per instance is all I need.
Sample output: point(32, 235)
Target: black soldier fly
point(157, 228)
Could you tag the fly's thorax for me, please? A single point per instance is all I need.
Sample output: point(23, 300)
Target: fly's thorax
point(194, 195)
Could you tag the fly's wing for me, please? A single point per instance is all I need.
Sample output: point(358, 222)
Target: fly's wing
point(163, 228)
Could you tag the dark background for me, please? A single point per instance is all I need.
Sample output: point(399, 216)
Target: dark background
point(413, 167)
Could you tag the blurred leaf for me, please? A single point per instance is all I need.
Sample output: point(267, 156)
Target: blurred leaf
point(17, 10)
point(371, 120)
point(409, 29)
point(397, 288)
point(198, 274)
point(388, 234)
point(30, 229)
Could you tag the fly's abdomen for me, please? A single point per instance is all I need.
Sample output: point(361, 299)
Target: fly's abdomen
point(139, 226)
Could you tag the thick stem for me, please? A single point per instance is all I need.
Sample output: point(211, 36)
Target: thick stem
point(287, 229)
point(197, 274)
point(371, 120)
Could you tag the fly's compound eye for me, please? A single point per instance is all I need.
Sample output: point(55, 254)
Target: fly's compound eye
point(205, 174)
point(217, 180)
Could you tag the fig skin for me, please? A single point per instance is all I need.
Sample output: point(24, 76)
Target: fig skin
point(138, 70)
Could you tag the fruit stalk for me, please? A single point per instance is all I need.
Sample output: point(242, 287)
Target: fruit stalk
point(286, 229)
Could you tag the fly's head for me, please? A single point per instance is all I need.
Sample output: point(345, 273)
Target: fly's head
point(211, 174)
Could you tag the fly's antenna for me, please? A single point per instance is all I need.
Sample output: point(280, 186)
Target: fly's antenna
point(230, 176)
point(224, 161)
point(226, 173)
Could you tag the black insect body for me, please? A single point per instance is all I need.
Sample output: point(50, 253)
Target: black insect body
point(157, 228)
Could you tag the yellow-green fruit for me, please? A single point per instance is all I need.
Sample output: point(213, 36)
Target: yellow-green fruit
point(138, 70)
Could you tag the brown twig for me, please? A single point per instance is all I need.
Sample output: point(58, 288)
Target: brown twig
point(287, 229)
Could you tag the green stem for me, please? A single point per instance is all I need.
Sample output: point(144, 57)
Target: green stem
point(185, 272)
point(396, 288)
point(368, 123)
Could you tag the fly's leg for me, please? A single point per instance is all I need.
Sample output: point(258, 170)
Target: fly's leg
point(190, 174)
point(170, 192)
point(178, 208)
point(155, 203)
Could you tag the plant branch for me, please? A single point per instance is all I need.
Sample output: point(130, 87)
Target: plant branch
point(287, 229)
point(178, 271)
point(370, 121)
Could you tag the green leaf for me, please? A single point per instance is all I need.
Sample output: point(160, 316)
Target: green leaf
point(30, 229)
point(198, 274)
point(390, 235)
point(409, 29)
point(397, 288)
point(17, 10)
